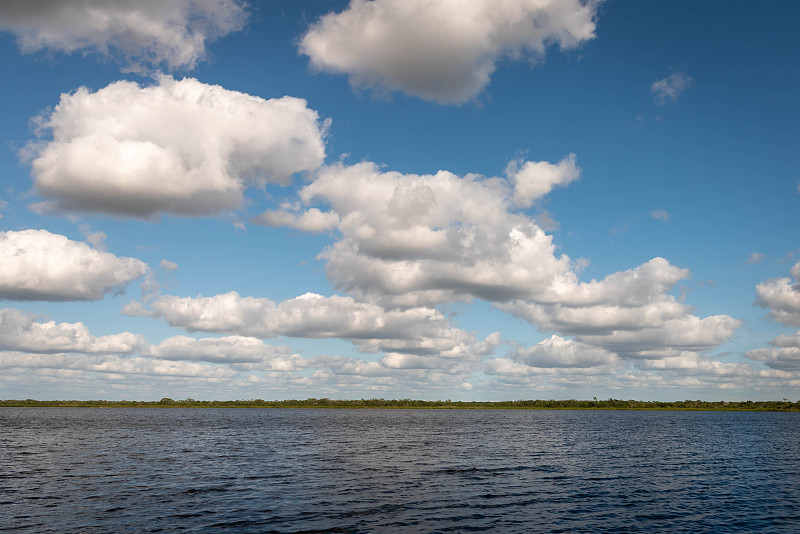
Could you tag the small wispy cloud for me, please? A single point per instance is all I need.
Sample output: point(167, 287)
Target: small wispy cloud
point(168, 265)
point(96, 239)
point(670, 88)
point(662, 215)
point(755, 257)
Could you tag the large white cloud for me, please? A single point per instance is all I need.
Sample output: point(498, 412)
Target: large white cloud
point(628, 312)
point(39, 265)
point(422, 240)
point(115, 365)
point(442, 50)
point(785, 358)
point(559, 352)
point(680, 373)
point(420, 331)
point(242, 353)
point(426, 240)
point(687, 333)
point(782, 297)
point(23, 332)
point(692, 363)
point(139, 33)
point(180, 147)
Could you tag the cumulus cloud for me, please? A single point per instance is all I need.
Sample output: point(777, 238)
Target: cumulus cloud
point(23, 332)
point(559, 352)
point(629, 313)
point(243, 353)
point(67, 354)
point(140, 34)
point(687, 333)
point(115, 365)
point(28, 342)
point(423, 240)
point(178, 147)
point(693, 364)
point(39, 265)
point(781, 358)
point(785, 354)
point(680, 372)
point(534, 179)
point(668, 89)
point(441, 50)
point(778, 358)
point(420, 331)
point(782, 297)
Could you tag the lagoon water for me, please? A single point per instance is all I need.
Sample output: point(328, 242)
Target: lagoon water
point(117, 470)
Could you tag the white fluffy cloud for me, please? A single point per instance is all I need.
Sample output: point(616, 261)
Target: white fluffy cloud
point(535, 179)
point(115, 365)
point(670, 88)
point(420, 331)
point(138, 33)
point(243, 353)
point(23, 332)
point(441, 50)
point(682, 372)
point(68, 355)
point(39, 265)
point(425, 240)
point(178, 147)
point(782, 297)
point(629, 313)
point(687, 333)
point(781, 358)
point(26, 342)
point(559, 352)
point(422, 240)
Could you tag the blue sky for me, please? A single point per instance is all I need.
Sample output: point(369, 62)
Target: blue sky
point(464, 200)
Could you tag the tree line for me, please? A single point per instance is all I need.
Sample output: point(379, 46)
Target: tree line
point(594, 404)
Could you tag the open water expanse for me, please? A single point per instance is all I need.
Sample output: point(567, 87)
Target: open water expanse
point(71, 470)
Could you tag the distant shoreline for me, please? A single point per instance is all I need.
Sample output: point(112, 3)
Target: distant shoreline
point(609, 404)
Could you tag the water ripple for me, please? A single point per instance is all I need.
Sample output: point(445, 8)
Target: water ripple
point(354, 471)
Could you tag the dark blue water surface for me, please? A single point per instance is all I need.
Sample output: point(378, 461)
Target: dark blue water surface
point(70, 470)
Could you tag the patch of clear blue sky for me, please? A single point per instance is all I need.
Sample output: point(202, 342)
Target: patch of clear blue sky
point(722, 160)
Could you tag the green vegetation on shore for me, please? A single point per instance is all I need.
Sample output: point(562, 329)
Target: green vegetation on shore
point(609, 404)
